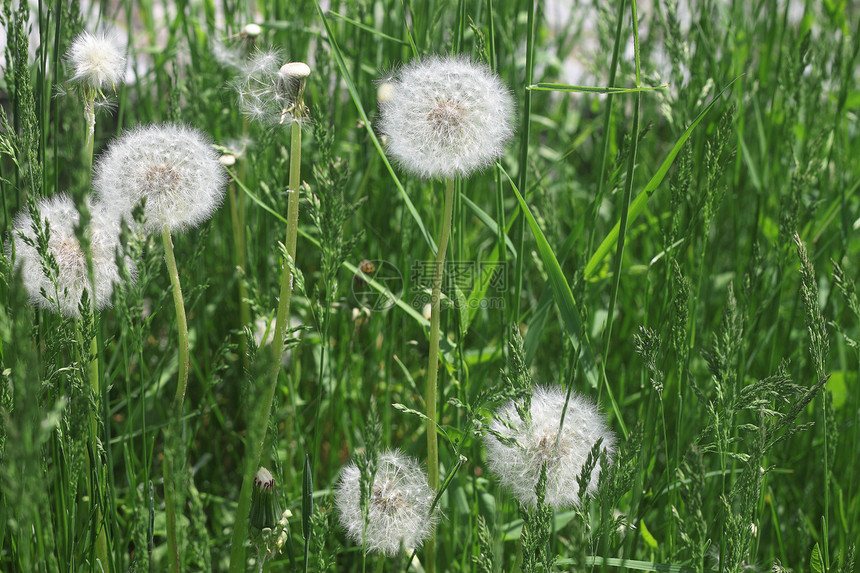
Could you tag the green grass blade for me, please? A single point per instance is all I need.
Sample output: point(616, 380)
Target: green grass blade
point(388, 294)
point(596, 561)
point(349, 266)
point(487, 220)
point(561, 291)
point(353, 92)
point(307, 507)
point(367, 28)
point(641, 200)
point(549, 87)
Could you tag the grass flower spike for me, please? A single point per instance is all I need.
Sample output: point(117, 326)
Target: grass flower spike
point(173, 167)
point(445, 117)
point(537, 441)
point(64, 291)
point(398, 512)
point(97, 60)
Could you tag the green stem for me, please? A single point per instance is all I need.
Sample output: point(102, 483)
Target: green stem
point(90, 115)
point(237, 214)
point(433, 364)
point(257, 430)
point(95, 497)
point(101, 538)
point(93, 365)
point(175, 417)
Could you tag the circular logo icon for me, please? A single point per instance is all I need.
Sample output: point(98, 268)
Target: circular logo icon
point(377, 285)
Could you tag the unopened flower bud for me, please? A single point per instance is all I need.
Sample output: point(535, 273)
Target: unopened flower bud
point(251, 31)
point(296, 70)
point(265, 510)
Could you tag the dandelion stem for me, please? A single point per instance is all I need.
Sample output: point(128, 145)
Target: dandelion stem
point(257, 431)
point(237, 213)
point(172, 431)
point(93, 364)
point(90, 114)
point(433, 364)
point(95, 497)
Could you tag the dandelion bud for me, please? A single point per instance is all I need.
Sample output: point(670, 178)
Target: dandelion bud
point(398, 512)
point(384, 92)
point(445, 116)
point(251, 31)
point(298, 70)
point(265, 510)
point(172, 167)
point(528, 445)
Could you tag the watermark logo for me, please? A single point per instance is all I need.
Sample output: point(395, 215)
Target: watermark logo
point(377, 285)
point(475, 285)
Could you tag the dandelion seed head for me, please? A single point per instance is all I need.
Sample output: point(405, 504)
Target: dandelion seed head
point(60, 216)
point(268, 92)
point(265, 61)
point(98, 60)
point(173, 168)
point(398, 507)
point(445, 116)
point(226, 55)
point(537, 442)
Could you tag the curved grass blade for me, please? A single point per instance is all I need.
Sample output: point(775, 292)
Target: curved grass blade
point(352, 268)
point(487, 220)
point(561, 291)
point(641, 200)
point(548, 87)
point(341, 64)
point(596, 561)
point(367, 28)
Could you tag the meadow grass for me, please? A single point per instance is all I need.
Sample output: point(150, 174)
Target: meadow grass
point(670, 234)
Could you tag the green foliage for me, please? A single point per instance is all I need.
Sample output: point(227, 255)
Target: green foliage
point(735, 305)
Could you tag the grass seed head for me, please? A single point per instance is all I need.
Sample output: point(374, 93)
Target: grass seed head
point(173, 168)
point(445, 116)
point(398, 509)
point(537, 441)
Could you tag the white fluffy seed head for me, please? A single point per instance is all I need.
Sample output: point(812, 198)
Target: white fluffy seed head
point(537, 441)
point(398, 508)
point(445, 116)
point(98, 60)
point(173, 168)
point(270, 92)
point(61, 217)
